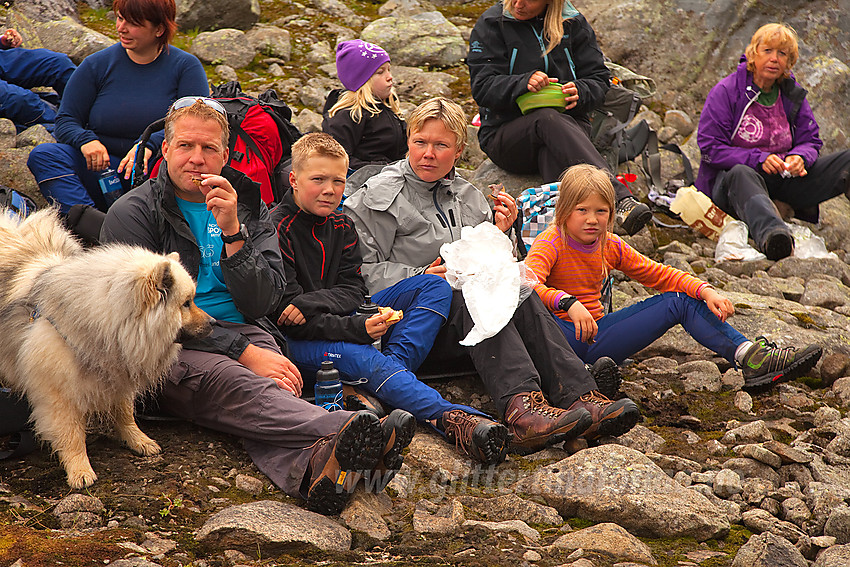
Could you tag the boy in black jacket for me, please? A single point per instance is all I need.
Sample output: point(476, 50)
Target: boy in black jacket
point(324, 288)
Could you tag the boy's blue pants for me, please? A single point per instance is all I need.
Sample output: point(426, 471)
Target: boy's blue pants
point(387, 374)
point(22, 69)
point(627, 331)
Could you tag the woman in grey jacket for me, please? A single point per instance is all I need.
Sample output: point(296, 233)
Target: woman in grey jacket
point(404, 214)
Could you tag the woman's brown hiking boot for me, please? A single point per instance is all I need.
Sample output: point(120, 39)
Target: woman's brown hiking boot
point(535, 424)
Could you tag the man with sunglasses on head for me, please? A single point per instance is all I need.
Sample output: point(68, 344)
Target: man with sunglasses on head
point(237, 380)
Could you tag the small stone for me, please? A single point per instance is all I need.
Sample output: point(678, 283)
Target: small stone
point(531, 556)
point(825, 415)
point(683, 478)
point(744, 402)
point(834, 366)
point(249, 484)
point(760, 454)
point(771, 505)
point(794, 510)
point(754, 432)
point(727, 483)
point(838, 525)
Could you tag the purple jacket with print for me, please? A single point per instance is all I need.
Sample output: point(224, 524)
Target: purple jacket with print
point(724, 107)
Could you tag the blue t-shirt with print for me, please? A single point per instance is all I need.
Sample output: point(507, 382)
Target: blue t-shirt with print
point(211, 295)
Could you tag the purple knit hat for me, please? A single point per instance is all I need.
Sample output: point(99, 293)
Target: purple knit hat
point(357, 61)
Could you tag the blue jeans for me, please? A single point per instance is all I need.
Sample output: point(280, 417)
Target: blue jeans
point(63, 178)
point(387, 374)
point(22, 69)
point(627, 331)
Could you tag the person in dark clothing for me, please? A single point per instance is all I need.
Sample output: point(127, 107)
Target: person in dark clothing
point(22, 69)
point(365, 118)
point(759, 141)
point(321, 256)
point(237, 380)
point(522, 46)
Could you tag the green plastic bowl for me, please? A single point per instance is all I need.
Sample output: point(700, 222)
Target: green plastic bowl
point(549, 96)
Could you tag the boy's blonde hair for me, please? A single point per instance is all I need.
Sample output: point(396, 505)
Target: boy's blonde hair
point(577, 184)
point(316, 144)
point(553, 22)
point(777, 36)
point(364, 99)
point(444, 110)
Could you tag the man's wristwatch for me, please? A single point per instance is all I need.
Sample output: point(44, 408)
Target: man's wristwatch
point(241, 235)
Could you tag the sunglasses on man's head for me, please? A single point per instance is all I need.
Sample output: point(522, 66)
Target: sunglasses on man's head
point(190, 100)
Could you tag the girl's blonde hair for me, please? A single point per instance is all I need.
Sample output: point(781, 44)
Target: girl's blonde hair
point(553, 22)
point(577, 184)
point(777, 36)
point(364, 99)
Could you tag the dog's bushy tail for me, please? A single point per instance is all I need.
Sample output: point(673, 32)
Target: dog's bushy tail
point(41, 233)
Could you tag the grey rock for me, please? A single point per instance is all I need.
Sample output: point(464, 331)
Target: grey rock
point(214, 14)
point(78, 511)
point(769, 550)
point(753, 432)
point(339, 11)
point(609, 539)
point(364, 513)
point(700, 375)
point(671, 464)
point(512, 507)
point(732, 380)
point(683, 478)
point(430, 518)
point(706, 477)
point(791, 288)
point(759, 521)
point(822, 499)
point(47, 10)
point(415, 85)
point(228, 46)
point(841, 389)
point(641, 439)
point(472, 153)
point(134, 562)
point(405, 7)
point(8, 133)
point(772, 506)
point(607, 481)
point(759, 453)
point(758, 479)
point(73, 39)
point(249, 484)
point(488, 173)
point(530, 534)
point(158, 546)
point(786, 453)
point(727, 483)
point(838, 525)
point(437, 458)
point(809, 268)
point(270, 528)
point(823, 541)
point(226, 73)
point(532, 556)
point(320, 52)
point(679, 121)
point(744, 402)
point(423, 39)
point(824, 293)
point(834, 366)
point(794, 510)
point(270, 40)
point(836, 556)
point(652, 118)
point(308, 121)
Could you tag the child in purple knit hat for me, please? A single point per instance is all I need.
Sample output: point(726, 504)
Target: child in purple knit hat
point(365, 116)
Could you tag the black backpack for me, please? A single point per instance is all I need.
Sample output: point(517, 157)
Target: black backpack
point(16, 436)
point(16, 202)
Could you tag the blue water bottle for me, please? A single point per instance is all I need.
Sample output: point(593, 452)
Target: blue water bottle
point(368, 308)
point(110, 185)
point(328, 389)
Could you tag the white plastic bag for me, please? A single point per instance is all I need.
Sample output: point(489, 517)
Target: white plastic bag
point(808, 244)
point(732, 244)
point(481, 264)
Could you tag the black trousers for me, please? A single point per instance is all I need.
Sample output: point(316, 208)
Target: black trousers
point(746, 193)
point(548, 142)
point(529, 354)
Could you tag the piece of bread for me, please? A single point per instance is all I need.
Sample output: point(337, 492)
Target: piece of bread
point(395, 317)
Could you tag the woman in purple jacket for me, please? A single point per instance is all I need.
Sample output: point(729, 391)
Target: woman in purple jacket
point(759, 141)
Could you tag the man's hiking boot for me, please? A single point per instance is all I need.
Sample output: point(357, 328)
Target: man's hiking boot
point(356, 399)
point(397, 429)
point(608, 418)
point(338, 462)
point(608, 377)
point(485, 440)
point(779, 244)
point(632, 215)
point(535, 424)
point(765, 364)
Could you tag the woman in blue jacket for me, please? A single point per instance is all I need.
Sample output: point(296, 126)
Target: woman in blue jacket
point(522, 46)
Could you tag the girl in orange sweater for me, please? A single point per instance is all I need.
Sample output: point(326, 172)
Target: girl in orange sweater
point(572, 259)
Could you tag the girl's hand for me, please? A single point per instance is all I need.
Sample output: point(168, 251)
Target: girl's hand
point(538, 80)
point(586, 327)
point(570, 91)
point(376, 325)
point(718, 304)
point(505, 212)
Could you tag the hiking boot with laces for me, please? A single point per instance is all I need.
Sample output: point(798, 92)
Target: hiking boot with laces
point(535, 424)
point(608, 418)
point(765, 364)
point(356, 399)
point(483, 439)
point(397, 429)
point(632, 215)
point(607, 375)
point(338, 462)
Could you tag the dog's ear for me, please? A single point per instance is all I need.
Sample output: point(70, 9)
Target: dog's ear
point(174, 256)
point(158, 284)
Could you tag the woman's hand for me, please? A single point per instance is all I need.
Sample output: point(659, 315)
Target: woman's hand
point(97, 158)
point(505, 212)
point(795, 165)
point(773, 165)
point(129, 161)
point(570, 91)
point(717, 304)
point(377, 326)
point(291, 316)
point(586, 327)
point(539, 80)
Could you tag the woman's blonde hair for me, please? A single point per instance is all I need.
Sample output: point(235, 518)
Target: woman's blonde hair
point(779, 36)
point(364, 99)
point(577, 184)
point(553, 22)
point(444, 110)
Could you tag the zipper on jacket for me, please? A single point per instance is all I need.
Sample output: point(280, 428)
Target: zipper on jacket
point(750, 102)
point(539, 36)
point(440, 214)
point(452, 217)
point(513, 60)
point(572, 65)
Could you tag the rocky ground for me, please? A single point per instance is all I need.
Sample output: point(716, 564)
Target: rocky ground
point(712, 477)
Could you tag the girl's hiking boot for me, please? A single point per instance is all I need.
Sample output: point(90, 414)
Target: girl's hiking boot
point(765, 364)
point(608, 418)
point(356, 399)
point(608, 377)
point(397, 429)
point(339, 461)
point(485, 440)
point(535, 424)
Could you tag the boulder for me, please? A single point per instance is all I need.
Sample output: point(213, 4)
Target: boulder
point(214, 14)
point(608, 539)
point(228, 46)
point(423, 39)
point(73, 39)
point(769, 550)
